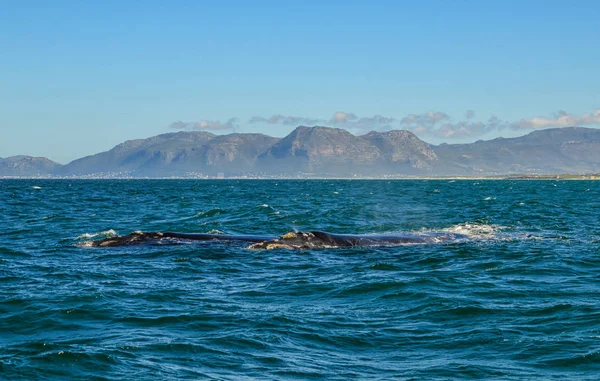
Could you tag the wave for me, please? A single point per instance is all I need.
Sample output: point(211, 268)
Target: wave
point(196, 216)
point(106, 234)
point(476, 230)
point(465, 231)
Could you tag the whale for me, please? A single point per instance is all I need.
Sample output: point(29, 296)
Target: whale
point(322, 240)
point(292, 240)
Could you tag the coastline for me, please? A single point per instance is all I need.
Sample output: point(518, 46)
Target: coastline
point(568, 176)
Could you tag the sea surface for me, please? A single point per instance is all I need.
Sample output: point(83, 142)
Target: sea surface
point(519, 299)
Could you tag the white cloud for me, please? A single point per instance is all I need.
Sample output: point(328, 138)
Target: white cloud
point(286, 120)
point(460, 129)
point(341, 117)
point(430, 118)
point(213, 125)
point(432, 123)
point(440, 125)
point(562, 119)
point(350, 120)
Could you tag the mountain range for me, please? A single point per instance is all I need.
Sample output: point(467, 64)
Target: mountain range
point(326, 152)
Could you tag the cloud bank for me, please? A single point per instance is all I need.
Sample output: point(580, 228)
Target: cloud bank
point(432, 123)
point(562, 119)
point(205, 125)
point(285, 120)
point(338, 119)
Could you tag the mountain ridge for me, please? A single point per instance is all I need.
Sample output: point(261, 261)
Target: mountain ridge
point(326, 152)
point(27, 166)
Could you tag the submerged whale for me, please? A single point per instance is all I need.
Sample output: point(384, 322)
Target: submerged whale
point(299, 240)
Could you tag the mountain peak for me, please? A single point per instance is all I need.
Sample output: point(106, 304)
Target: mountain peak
point(23, 165)
point(334, 150)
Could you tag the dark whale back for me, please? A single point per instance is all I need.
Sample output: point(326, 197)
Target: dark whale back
point(218, 237)
point(319, 239)
point(138, 237)
point(349, 240)
point(301, 240)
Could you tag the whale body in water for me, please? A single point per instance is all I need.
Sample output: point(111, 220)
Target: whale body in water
point(291, 240)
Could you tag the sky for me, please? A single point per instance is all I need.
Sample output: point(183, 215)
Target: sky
point(79, 77)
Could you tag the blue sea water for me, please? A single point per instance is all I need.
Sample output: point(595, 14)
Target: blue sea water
point(519, 299)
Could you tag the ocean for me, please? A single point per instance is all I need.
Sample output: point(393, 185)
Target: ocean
point(519, 299)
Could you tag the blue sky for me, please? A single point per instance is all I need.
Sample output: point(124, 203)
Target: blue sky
point(78, 77)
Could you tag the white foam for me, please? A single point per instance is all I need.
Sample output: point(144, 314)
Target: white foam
point(475, 230)
point(106, 233)
point(36, 187)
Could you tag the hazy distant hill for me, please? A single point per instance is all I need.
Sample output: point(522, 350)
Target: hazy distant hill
point(319, 150)
point(403, 152)
point(325, 151)
point(234, 154)
point(141, 155)
point(333, 151)
point(557, 150)
point(176, 154)
point(27, 166)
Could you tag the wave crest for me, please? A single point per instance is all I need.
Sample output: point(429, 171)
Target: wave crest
point(475, 230)
point(107, 234)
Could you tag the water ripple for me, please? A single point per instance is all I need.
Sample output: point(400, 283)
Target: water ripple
point(517, 300)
